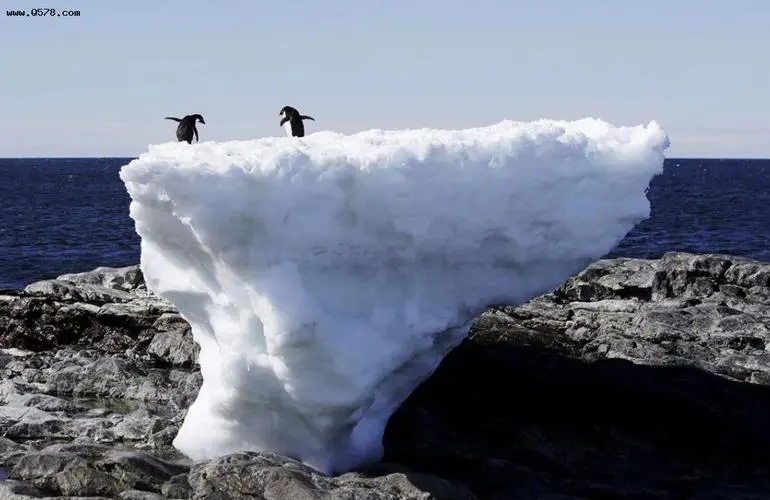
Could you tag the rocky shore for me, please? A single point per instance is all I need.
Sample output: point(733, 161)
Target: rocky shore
point(639, 379)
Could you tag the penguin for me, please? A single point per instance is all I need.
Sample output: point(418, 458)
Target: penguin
point(186, 128)
point(291, 120)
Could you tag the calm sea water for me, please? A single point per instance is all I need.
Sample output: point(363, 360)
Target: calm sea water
point(69, 215)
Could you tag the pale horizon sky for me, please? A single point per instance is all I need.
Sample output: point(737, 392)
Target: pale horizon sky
point(100, 84)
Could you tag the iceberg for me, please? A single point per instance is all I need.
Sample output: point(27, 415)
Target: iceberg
point(326, 277)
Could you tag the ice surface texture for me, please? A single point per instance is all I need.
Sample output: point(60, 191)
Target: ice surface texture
point(326, 277)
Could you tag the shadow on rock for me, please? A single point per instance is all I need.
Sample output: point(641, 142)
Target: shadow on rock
point(515, 421)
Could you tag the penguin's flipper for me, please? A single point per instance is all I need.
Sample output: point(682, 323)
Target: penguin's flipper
point(283, 120)
point(172, 118)
point(305, 117)
point(195, 129)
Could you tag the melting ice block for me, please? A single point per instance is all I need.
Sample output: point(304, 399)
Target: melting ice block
point(326, 277)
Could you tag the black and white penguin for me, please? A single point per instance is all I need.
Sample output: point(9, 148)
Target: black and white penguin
point(186, 128)
point(292, 121)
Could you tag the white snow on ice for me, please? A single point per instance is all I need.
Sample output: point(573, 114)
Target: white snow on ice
point(326, 277)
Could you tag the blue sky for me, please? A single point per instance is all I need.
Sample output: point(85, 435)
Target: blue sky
point(100, 84)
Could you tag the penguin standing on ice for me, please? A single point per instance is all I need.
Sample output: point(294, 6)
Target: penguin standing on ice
point(291, 120)
point(186, 128)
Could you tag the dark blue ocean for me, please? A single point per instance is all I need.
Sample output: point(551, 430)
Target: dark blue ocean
point(69, 215)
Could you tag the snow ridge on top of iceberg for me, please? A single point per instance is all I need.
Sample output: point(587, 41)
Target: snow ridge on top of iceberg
point(326, 277)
